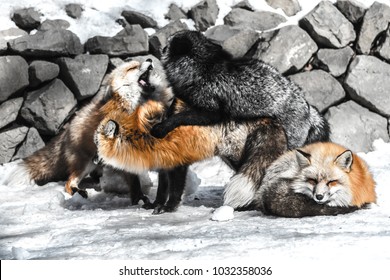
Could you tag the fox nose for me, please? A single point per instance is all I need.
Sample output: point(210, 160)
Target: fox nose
point(151, 66)
point(319, 197)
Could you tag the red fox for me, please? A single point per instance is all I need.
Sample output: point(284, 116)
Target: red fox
point(318, 179)
point(70, 155)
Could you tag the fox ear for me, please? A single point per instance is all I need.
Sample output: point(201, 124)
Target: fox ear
point(344, 160)
point(180, 46)
point(302, 158)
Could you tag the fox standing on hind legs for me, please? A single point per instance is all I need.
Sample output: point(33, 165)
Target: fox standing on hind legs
point(123, 141)
point(219, 88)
point(69, 156)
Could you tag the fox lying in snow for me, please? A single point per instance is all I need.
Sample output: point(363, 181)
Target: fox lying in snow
point(318, 179)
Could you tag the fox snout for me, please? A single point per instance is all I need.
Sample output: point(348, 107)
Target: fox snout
point(321, 193)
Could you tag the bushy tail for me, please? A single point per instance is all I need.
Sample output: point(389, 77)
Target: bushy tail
point(319, 127)
point(45, 165)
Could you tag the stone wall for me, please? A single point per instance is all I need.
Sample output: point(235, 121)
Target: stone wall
point(338, 54)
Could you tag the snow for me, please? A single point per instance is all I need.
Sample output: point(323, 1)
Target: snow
point(99, 17)
point(223, 214)
point(46, 223)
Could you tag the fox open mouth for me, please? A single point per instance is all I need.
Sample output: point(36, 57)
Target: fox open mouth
point(144, 79)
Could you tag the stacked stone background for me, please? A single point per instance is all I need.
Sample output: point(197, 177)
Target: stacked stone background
point(338, 53)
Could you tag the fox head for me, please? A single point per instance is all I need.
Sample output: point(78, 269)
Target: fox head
point(136, 82)
point(324, 177)
point(186, 49)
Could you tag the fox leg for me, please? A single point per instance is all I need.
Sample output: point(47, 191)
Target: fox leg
point(262, 147)
point(162, 193)
point(134, 184)
point(189, 117)
point(80, 169)
point(177, 180)
point(72, 185)
point(171, 184)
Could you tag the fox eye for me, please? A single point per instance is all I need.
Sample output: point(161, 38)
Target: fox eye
point(312, 181)
point(332, 183)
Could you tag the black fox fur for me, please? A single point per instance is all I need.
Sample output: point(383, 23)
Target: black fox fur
point(219, 88)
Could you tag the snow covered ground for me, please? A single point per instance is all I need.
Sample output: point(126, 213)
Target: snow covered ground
point(46, 223)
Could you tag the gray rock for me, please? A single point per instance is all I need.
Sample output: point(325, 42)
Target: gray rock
point(12, 33)
point(74, 10)
point(50, 43)
point(158, 40)
point(42, 71)
point(3, 46)
point(204, 14)
point(263, 43)
point(244, 5)
point(9, 140)
point(9, 111)
point(133, 17)
point(328, 26)
point(355, 126)
point(27, 19)
point(334, 61)
point(375, 21)
point(13, 76)
point(235, 41)
point(54, 24)
point(9, 34)
point(33, 142)
point(83, 74)
point(351, 9)
point(259, 21)
point(48, 107)
point(368, 83)
point(383, 50)
point(321, 89)
point(289, 49)
point(290, 7)
point(130, 41)
point(175, 13)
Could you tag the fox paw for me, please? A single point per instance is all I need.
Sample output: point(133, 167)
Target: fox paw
point(83, 193)
point(149, 206)
point(160, 209)
point(144, 198)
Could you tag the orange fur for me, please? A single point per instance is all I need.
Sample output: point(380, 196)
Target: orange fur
point(134, 149)
point(360, 180)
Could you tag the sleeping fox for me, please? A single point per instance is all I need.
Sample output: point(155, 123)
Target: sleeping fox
point(318, 179)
